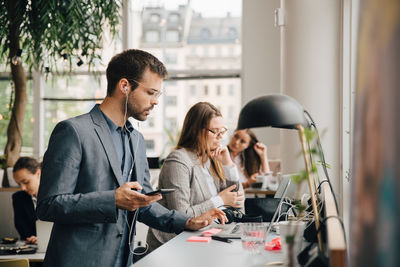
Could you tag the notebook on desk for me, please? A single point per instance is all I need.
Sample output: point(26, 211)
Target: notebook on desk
point(43, 231)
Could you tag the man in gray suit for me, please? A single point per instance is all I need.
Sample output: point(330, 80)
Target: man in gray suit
point(95, 173)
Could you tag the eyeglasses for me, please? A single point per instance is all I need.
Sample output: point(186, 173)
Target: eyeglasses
point(218, 132)
point(156, 93)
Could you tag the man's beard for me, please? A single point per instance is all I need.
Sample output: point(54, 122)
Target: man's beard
point(133, 111)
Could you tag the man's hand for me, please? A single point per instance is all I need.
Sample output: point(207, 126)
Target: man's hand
point(31, 240)
point(206, 218)
point(127, 198)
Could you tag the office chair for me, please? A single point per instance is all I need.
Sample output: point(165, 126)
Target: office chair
point(14, 263)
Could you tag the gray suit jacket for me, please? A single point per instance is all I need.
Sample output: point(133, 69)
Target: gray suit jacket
point(77, 192)
point(182, 170)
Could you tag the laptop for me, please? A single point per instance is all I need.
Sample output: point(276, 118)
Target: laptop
point(282, 185)
point(43, 231)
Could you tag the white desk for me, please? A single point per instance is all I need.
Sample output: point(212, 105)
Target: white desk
point(180, 253)
point(37, 257)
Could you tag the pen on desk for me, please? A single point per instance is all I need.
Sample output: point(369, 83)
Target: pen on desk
point(222, 239)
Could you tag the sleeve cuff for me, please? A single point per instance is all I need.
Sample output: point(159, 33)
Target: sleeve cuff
point(231, 173)
point(217, 201)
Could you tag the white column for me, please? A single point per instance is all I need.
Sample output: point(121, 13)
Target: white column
point(38, 115)
point(260, 58)
point(312, 75)
point(126, 25)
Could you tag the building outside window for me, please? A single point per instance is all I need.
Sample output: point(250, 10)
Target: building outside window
point(231, 90)
point(171, 101)
point(172, 36)
point(218, 90)
point(152, 36)
point(205, 90)
point(193, 90)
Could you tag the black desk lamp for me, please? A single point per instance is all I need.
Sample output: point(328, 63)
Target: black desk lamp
point(280, 111)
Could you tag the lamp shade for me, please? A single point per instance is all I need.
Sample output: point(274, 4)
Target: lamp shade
point(275, 110)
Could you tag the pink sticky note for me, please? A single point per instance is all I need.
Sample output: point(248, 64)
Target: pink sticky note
point(212, 231)
point(275, 244)
point(199, 239)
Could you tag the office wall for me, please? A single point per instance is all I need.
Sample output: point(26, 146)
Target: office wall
point(260, 59)
point(312, 68)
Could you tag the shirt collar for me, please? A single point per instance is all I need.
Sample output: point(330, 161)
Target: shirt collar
point(114, 127)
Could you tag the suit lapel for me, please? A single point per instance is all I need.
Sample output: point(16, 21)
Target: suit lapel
point(103, 132)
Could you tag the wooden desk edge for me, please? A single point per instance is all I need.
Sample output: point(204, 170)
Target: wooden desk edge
point(259, 191)
point(335, 233)
point(9, 189)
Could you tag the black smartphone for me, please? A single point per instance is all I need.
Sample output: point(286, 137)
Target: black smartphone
point(160, 191)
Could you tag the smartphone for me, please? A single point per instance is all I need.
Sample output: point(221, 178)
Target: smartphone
point(160, 191)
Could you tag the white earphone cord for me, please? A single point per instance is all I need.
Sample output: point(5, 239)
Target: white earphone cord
point(130, 228)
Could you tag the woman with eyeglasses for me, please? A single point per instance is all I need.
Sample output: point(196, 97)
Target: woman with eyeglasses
point(249, 155)
point(199, 169)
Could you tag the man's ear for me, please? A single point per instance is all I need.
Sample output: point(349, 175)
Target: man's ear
point(123, 85)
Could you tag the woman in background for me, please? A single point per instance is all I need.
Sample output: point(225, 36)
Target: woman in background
point(249, 155)
point(199, 169)
point(26, 173)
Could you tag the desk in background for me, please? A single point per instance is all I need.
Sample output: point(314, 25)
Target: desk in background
point(37, 257)
point(249, 192)
point(180, 253)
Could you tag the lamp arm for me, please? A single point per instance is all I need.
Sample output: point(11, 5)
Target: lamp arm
point(307, 164)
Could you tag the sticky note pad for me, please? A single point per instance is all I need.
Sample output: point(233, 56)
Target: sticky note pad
point(275, 244)
point(199, 239)
point(212, 231)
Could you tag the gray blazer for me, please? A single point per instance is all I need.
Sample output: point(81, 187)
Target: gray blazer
point(182, 170)
point(77, 192)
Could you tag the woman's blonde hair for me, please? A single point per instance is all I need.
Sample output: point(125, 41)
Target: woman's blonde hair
point(194, 135)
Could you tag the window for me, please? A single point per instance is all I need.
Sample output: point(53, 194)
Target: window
point(218, 51)
point(205, 33)
point(154, 18)
point(231, 91)
point(171, 123)
point(206, 51)
point(174, 17)
point(171, 58)
point(218, 89)
point(232, 32)
point(150, 144)
point(172, 36)
point(152, 36)
point(231, 111)
point(176, 48)
point(150, 122)
point(171, 101)
point(205, 90)
point(193, 90)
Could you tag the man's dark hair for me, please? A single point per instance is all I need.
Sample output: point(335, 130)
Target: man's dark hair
point(31, 164)
point(131, 64)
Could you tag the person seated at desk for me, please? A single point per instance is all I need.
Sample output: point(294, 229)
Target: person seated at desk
point(26, 173)
point(249, 155)
point(199, 169)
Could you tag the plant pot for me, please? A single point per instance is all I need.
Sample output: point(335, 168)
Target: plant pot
point(1, 177)
point(10, 176)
